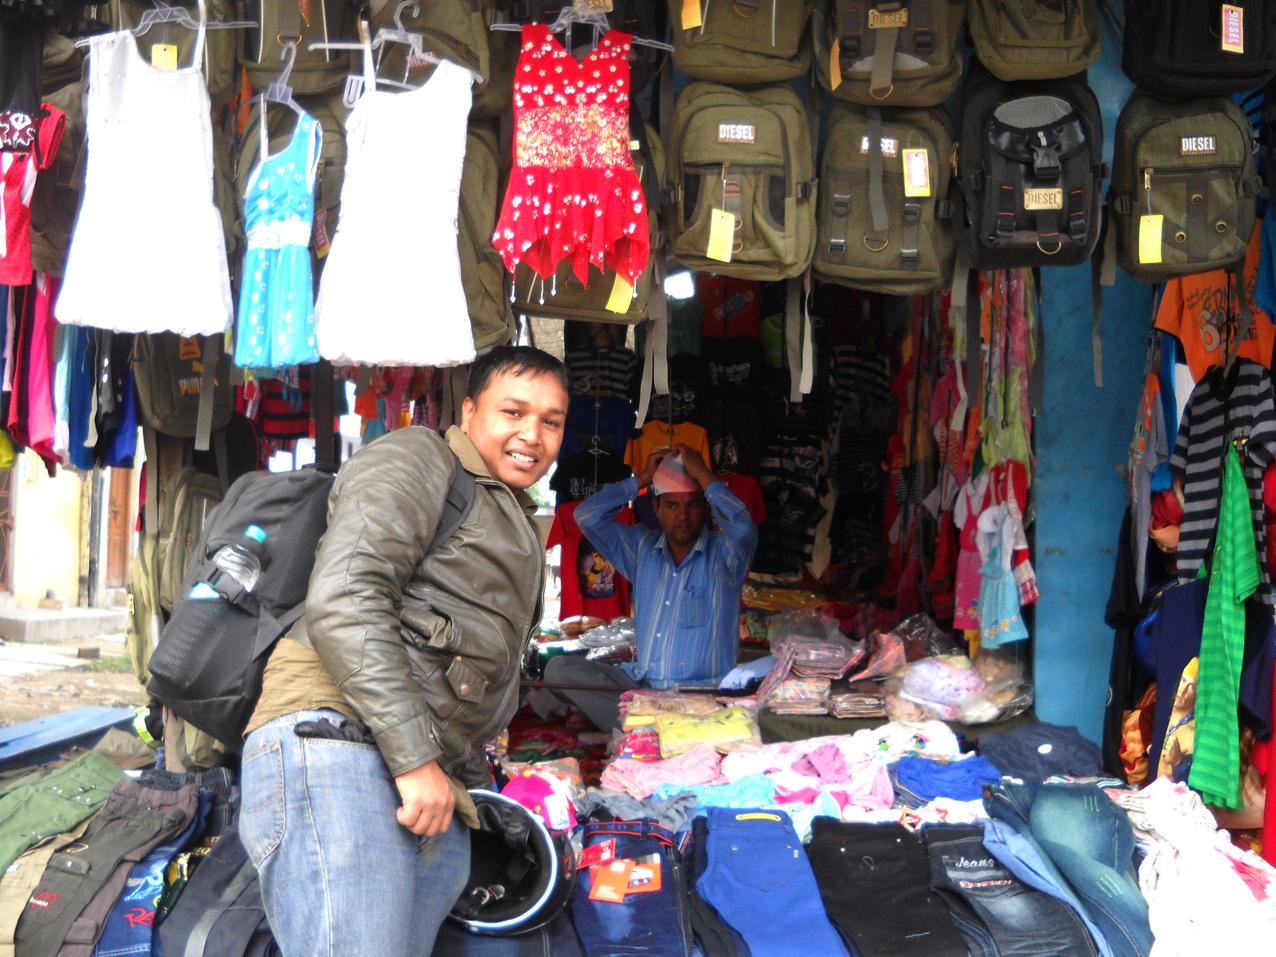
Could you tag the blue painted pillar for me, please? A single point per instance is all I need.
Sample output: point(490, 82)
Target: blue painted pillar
point(1082, 434)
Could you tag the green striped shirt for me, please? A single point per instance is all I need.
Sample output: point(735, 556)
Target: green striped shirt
point(1216, 764)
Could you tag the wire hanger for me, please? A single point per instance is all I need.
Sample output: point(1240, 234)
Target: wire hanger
point(415, 42)
point(182, 18)
point(569, 15)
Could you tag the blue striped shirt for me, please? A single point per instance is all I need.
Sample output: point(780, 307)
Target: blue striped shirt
point(688, 615)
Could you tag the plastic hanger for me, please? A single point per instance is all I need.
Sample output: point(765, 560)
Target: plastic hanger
point(279, 92)
point(182, 18)
point(569, 16)
point(415, 42)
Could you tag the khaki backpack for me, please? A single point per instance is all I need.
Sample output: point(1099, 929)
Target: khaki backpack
point(482, 272)
point(1183, 186)
point(183, 385)
point(305, 22)
point(871, 233)
point(890, 52)
point(1034, 39)
point(187, 500)
point(57, 190)
point(748, 154)
point(459, 30)
point(145, 619)
point(741, 41)
point(563, 296)
point(220, 46)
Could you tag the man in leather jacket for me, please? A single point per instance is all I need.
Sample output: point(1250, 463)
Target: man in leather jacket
point(375, 707)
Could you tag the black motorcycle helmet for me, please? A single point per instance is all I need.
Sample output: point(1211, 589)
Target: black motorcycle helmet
point(521, 873)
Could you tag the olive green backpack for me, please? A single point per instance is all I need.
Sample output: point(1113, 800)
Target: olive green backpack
point(1034, 39)
point(747, 153)
point(220, 46)
point(741, 41)
point(1183, 189)
point(482, 272)
point(870, 233)
point(304, 22)
point(461, 31)
point(57, 190)
point(923, 38)
point(563, 296)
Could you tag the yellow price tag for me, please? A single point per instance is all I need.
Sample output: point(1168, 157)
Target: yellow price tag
point(916, 172)
point(1150, 227)
point(835, 64)
point(164, 56)
point(691, 16)
point(721, 235)
point(1232, 33)
point(622, 296)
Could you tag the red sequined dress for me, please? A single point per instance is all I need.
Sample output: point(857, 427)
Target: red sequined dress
point(573, 192)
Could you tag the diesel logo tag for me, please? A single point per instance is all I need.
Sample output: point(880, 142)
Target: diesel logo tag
point(1043, 198)
point(890, 147)
point(745, 133)
point(887, 19)
point(1198, 146)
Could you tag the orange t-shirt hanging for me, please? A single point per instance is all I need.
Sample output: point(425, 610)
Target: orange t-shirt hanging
point(1195, 310)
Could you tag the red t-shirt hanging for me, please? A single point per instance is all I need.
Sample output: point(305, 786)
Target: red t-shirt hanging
point(17, 185)
point(591, 584)
point(573, 193)
point(747, 490)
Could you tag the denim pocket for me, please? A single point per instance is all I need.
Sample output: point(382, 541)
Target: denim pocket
point(261, 822)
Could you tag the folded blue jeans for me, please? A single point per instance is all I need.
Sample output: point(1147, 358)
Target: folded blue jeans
point(655, 924)
point(760, 882)
point(339, 874)
point(1090, 843)
point(998, 914)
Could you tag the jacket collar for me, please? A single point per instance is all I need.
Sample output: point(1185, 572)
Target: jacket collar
point(473, 463)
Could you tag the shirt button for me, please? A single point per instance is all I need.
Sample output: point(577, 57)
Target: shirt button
point(666, 602)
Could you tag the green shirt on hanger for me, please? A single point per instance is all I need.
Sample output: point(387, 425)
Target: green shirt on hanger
point(1235, 575)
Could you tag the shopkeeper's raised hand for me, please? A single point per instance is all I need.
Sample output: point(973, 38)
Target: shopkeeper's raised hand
point(695, 465)
point(649, 470)
point(427, 800)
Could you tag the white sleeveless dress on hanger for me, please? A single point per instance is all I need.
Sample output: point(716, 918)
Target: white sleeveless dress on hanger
point(391, 290)
point(148, 253)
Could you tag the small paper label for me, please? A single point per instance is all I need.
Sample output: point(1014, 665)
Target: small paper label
point(888, 19)
point(1233, 32)
point(592, 6)
point(890, 146)
point(622, 296)
point(645, 877)
point(320, 238)
point(1198, 145)
point(916, 172)
point(1050, 198)
point(1150, 226)
point(835, 64)
point(596, 854)
point(164, 56)
point(691, 17)
point(721, 235)
point(745, 133)
point(610, 881)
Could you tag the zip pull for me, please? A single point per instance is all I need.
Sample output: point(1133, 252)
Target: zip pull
point(1147, 187)
point(952, 159)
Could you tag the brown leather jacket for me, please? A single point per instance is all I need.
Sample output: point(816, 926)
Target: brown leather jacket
point(425, 648)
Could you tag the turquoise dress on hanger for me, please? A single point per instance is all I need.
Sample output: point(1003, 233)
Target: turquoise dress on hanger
point(276, 323)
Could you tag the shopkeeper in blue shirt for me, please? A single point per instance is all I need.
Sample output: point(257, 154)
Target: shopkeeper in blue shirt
point(686, 581)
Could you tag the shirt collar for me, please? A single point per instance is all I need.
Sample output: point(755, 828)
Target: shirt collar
point(473, 463)
point(701, 543)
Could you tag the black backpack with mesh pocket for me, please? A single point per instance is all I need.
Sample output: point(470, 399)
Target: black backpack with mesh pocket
point(1030, 166)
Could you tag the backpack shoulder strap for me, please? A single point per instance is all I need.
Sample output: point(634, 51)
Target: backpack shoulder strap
point(456, 507)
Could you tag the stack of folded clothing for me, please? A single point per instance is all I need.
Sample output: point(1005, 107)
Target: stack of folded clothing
point(800, 696)
point(856, 704)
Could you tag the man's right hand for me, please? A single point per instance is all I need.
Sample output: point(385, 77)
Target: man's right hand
point(427, 800)
point(648, 472)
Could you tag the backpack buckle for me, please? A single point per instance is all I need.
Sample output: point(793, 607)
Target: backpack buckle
point(1045, 156)
point(841, 204)
point(924, 42)
point(850, 48)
